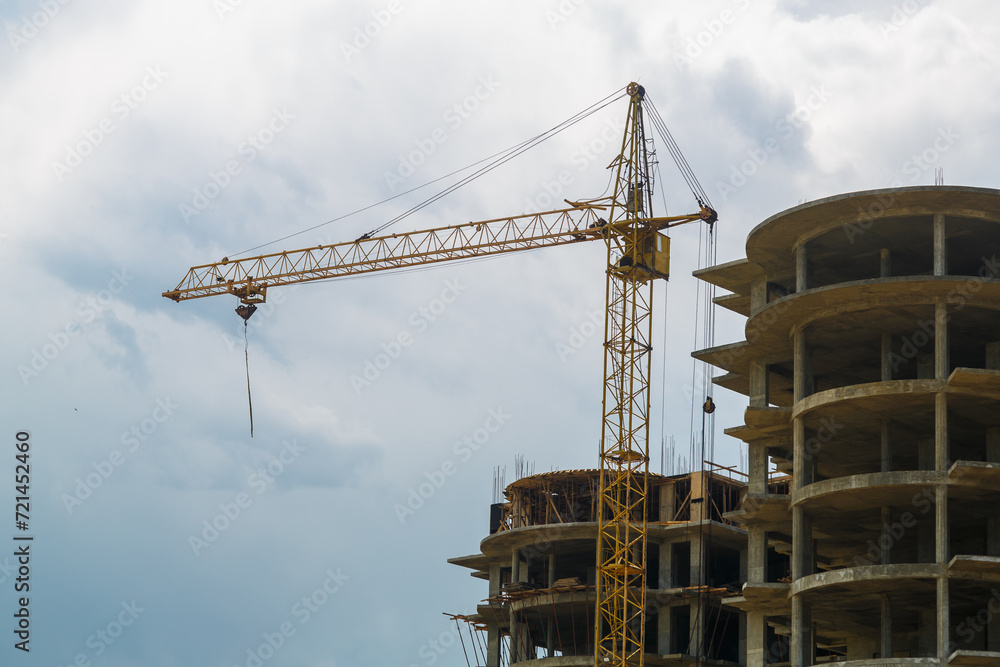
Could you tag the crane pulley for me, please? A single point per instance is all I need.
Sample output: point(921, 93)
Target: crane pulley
point(637, 255)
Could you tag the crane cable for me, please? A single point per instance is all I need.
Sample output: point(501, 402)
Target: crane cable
point(495, 160)
point(675, 152)
point(707, 240)
point(246, 356)
point(505, 157)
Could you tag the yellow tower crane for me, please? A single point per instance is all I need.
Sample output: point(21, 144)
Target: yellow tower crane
point(637, 253)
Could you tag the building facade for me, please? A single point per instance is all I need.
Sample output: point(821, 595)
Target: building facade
point(872, 368)
point(539, 560)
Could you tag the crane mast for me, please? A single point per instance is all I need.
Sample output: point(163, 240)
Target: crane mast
point(621, 543)
point(637, 254)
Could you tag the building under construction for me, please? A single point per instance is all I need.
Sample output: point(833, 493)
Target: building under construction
point(867, 532)
point(539, 560)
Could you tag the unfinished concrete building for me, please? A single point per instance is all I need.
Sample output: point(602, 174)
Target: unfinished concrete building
point(539, 559)
point(872, 367)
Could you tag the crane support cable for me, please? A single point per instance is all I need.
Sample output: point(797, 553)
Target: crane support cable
point(494, 161)
point(675, 152)
point(505, 157)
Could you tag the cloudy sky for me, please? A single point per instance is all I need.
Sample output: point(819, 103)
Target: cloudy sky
point(140, 138)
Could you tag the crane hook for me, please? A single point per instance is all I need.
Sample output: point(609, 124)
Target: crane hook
point(709, 406)
point(245, 311)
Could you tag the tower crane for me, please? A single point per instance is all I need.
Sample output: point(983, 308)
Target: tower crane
point(637, 255)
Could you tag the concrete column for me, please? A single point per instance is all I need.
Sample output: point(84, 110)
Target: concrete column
point(663, 638)
point(699, 609)
point(801, 269)
point(941, 556)
point(550, 650)
point(886, 356)
point(886, 522)
point(668, 502)
point(495, 571)
point(756, 639)
point(492, 645)
point(758, 384)
point(758, 294)
point(940, 246)
point(885, 263)
point(803, 559)
point(757, 463)
point(943, 621)
point(802, 461)
point(515, 639)
point(756, 554)
point(803, 648)
point(942, 364)
point(886, 465)
point(886, 649)
point(802, 565)
point(515, 575)
point(803, 380)
point(941, 432)
point(666, 565)
point(697, 560)
point(552, 570)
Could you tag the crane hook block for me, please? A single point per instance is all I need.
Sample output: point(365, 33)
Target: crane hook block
point(709, 406)
point(246, 310)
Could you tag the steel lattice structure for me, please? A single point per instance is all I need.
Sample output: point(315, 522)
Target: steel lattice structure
point(637, 254)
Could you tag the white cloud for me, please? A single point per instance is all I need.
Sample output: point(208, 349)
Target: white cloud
point(354, 119)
